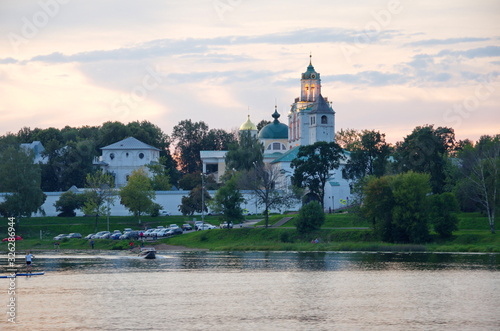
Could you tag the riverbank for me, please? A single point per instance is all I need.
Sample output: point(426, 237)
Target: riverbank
point(341, 232)
point(279, 239)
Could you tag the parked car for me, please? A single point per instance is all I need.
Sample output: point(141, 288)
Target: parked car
point(89, 236)
point(115, 235)
point(61, 236)
point(187, 227)
point(74, 235)
point(225, 225)
point(148, 232)
point(163, 232)
point(100, 234)
point(174, 226)
point(164, 213)
point(16, 238)
point(130, 235)
point(206, 226)
point(197, 224)
point(173, 232)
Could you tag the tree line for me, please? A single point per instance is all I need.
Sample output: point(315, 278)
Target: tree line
point(429, 166)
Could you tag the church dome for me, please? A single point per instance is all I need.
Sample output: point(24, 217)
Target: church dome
point(248, 126)
point(274, 130)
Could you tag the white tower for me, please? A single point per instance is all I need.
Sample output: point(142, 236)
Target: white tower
point(311, 116)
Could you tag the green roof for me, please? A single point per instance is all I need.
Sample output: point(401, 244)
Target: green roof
point(288, 156)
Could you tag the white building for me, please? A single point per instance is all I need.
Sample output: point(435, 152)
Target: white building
point(123, 157)
point(311, 119)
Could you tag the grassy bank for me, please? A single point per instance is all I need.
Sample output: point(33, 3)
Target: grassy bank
point(473, 235)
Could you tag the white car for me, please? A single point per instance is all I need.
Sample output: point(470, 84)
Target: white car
point(164, 213)
point(206, 226)
point(173, 226)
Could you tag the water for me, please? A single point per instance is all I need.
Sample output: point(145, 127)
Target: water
point(259, 291)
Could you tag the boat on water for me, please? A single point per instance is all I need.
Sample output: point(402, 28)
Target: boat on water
point(148, 253)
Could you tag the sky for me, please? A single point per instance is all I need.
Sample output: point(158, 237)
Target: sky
point(385, 65)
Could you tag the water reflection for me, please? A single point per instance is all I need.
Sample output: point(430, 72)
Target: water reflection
point(265, 261)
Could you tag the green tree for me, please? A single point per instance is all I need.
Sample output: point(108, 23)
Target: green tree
point(138, 195)
point(246, 153)
point(228, 200)
point(98, 195)
point(313, 166)
point(348, 139)
point(161, 179)
point(369, 158)
point(443, 208)
point(21, 179)
point(480, 166)
point(426, 150)
point(68, 202)
point(268, 184)
point(397, 207)
point(189, 138)
point(193, 202)
point(311, 217)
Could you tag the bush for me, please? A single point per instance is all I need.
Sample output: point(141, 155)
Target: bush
point(311, 217)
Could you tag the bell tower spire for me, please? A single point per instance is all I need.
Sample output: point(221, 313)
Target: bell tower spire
point(310, 84)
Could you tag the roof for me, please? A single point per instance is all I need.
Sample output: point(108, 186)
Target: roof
point(274, 130)
point(128, 144)
point(321, 106)
point(288, 156)
point(248, 126)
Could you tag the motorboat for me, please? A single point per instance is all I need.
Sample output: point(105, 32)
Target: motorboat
point(148, 253)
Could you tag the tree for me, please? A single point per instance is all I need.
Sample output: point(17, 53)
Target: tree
point(262, 124)
point(397, 207)
point(481, 169)
point(370, 157)
point(228, 200)
point(313, 166)
point(193, 202)
point(246, 153)
point(442, 213)
point(160, 180)
point(138, 194)
point(311, 217)
point(425, 150)
point(68, 202)
point(348, 139)
point(98, 196)
point(266, 183)
point(21, 179)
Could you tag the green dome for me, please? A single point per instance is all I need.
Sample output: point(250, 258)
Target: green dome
point(274, 130)
point(248, 126)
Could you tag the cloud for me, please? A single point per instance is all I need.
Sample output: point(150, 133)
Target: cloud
point(448, 41)
point(192, 46)
point(488, 51)
point(8, 60)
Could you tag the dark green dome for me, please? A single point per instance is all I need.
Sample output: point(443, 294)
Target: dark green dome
point(274, 130)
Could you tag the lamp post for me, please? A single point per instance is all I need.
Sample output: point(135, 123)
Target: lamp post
point(202, 198)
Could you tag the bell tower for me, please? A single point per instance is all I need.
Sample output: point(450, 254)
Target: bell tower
point(310, 84)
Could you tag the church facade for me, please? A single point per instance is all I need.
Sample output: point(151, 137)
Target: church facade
point(311, 119)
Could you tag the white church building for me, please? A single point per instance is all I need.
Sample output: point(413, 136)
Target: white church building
point(123, 157)
point(311, 119)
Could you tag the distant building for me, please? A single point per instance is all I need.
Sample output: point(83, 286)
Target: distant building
point(311, 119)
point(37, 148)
point(123, 157)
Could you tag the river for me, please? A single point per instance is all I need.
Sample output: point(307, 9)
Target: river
point(257, 291)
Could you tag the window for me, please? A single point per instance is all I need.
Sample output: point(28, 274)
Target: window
point(324, 120)
point(141, 155)
point(313, 120)
point(112, 156)
point(276, 146)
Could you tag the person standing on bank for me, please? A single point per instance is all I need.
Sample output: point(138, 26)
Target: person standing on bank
point(29, 258)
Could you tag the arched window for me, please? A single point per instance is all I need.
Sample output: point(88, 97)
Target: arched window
point(112, 156)
point(324, 120)
point(141, 155)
